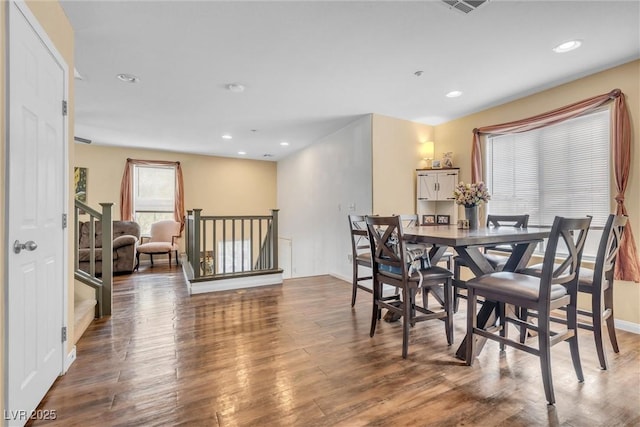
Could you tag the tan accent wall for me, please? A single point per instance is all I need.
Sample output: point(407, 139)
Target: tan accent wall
point(457, 134)
point(217, 185)
point(396, 148)
point(52, 18)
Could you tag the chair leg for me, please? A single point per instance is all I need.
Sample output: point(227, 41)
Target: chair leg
point(572, 324)
point(448, 303)
point(151, 257)
point(524, 316)
point(472, 323)
point(608, 305)
point(354, 284)
point(503, 323)
point(169, 258)
point(596, 318)
point(137, 261)
point(177, 258)
point(456, 277)
point(406, 319)
point(545, 362)
point(375, 315)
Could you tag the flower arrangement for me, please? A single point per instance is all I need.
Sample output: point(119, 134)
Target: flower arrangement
point(471, 195)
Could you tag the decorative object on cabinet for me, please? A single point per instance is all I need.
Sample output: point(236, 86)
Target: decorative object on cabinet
point(428, 219)
point(435, 164)
point(447, 159)
point(443, 219)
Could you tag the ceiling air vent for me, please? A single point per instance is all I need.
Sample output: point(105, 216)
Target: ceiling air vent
point(464, 6)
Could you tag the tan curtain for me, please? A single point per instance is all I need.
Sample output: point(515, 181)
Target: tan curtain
point(126, 189)
point(628, 264)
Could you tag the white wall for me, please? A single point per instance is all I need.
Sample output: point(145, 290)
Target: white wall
point(317, 188)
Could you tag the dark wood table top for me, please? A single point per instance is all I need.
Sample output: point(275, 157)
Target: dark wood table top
point(450, 235)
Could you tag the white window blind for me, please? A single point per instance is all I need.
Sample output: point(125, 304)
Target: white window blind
point(556, 170)
point(154, 189)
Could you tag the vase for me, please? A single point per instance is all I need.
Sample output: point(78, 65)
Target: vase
point(471, 213)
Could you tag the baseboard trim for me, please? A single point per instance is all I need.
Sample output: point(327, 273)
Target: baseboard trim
point(235, 283)
point(71, 357)
point(625, 325)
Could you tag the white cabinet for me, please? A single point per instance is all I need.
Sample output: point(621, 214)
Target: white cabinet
point(434, 188)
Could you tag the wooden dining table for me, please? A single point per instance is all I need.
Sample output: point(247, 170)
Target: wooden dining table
point(469, 243)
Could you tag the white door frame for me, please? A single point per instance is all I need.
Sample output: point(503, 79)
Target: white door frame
point(22, 7)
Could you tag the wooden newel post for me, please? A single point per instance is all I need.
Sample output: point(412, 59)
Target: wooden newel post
point(195, 263)
point(274, 237)
point(107, 258)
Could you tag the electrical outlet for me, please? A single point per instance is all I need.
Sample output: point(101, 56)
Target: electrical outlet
point(350, 258)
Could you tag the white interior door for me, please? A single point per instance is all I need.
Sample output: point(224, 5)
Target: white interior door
point(35, 204)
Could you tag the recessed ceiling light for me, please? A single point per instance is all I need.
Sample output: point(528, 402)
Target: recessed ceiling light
point(567, 46)
point(235, 87)
point(128, 78)
point(284, 143)
point(418, 73)
point(453, 94)
point(242, 153)
point(226, 136)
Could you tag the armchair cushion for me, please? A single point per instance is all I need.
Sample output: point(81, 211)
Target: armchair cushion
point(124, 240)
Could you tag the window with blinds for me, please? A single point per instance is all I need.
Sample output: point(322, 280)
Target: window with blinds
point(557, 170)
point(154, 189)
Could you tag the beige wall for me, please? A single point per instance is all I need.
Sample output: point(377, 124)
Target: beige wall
point(3, 278)
point(457, 135)
point(219, 186)
point(396, 156)
point(55, 23)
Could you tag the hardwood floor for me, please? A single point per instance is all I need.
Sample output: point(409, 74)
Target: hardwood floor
point(298, 354)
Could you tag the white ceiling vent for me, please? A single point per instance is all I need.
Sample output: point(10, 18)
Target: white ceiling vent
point(464, 6)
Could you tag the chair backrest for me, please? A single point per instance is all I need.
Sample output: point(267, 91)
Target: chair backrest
point(572, 232)
point(163, 231)
point(409, 220)
point(359, 235)
point(387, 246)
point(608, 249)
point(518, 221)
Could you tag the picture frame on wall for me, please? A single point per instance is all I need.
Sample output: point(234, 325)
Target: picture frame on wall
point(443, 219)
point(428, 219)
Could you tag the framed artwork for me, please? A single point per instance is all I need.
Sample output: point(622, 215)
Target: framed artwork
point(447, 159)
point(80, 181)
point(443, 219)
point(436, 164)
point(428, 219)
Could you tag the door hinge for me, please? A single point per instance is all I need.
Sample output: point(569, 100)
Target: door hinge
point(64, 220)
point(64, 108)
point(64, 334)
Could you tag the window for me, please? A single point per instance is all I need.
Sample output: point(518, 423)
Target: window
point(556, 170)
point(154, 189)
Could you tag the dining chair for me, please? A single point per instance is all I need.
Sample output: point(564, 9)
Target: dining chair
point(162, 240)
point(411, 220)
point(360, 254)
point(393, 264)
point(555, 288)
point(496, 260)
point(598, 284)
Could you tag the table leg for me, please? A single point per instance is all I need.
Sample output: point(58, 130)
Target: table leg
point(486, 317)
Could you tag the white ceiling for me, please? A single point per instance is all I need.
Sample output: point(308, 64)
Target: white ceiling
point(310, 67)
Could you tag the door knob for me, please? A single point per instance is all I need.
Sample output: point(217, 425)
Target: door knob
point(27, 246)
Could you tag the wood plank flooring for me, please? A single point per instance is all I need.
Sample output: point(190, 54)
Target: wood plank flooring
point(299, 355)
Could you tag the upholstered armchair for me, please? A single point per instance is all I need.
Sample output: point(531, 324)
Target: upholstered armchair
point(162, 241)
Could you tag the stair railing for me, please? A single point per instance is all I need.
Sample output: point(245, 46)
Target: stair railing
point(231, 246)
point(103, 285)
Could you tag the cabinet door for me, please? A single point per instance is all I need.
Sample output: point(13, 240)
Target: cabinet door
point(427, 185)
point(446, 184)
